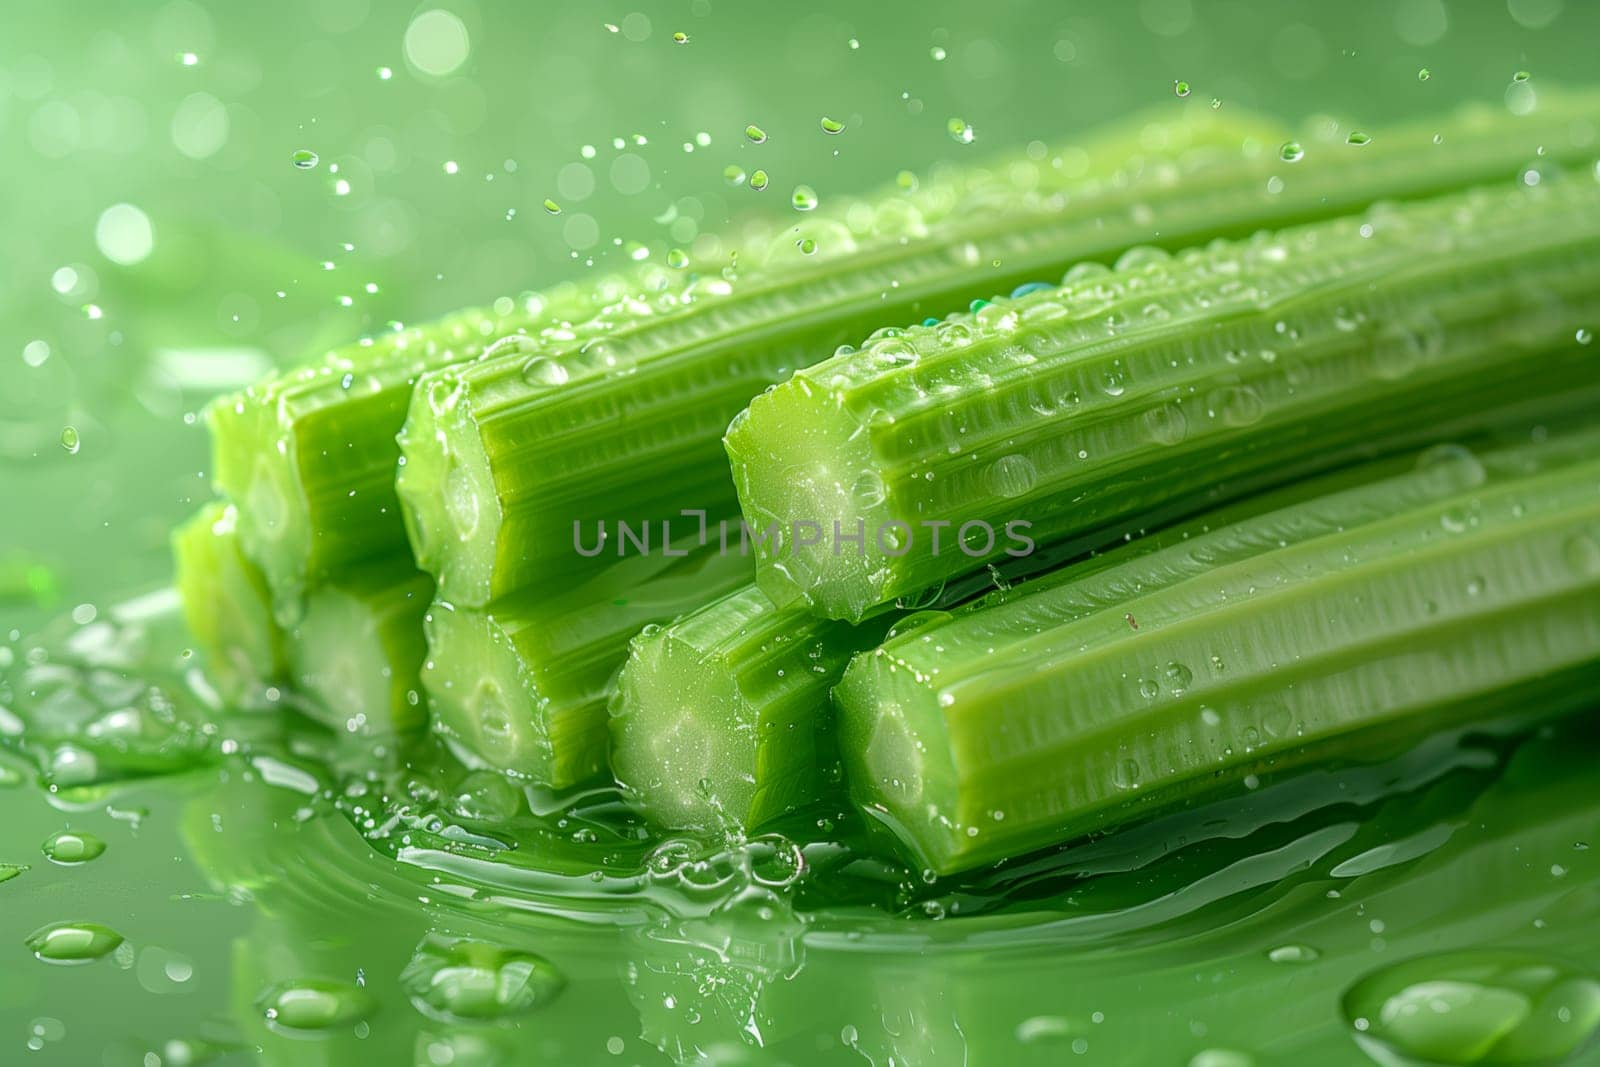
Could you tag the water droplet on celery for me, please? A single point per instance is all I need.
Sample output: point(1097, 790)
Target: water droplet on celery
point(756, 134)
point(69, 847)
point(1178, 677)
point(1011, 476)
point(1358, 138)
point(831, 125)
point(1180, 88)
point(543, 371)
point(73, 942)
point(678, 258)
point(1167, 424)
point(759, 180)
point(1583, 337)
point(804, 198)
point(806, 246)
point(1291, 152)
point(1293, 954)
point(1126, 775)
point(70, 440)
point(304, 158)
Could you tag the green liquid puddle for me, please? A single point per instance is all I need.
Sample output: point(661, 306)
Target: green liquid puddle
point(330, 899)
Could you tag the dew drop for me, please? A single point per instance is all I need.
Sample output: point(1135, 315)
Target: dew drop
point(304, 158)
point(458, 980)
point(758, 180)
point(70, 847)
point(1167, 424)
point(314, 1004)
point(756, 134)
point(1292, 152)
point(552, 207)
point(1126, 775)
point(1180, 88)
point(680, 38)
point(1011, 476)
point(1521, 76)
point(70, 440)
point(1358, 138)
point(543, 371)
point(73, 942)
point(804, 198)
point(1424, 74)
point(831, 126)
point(1293, 954)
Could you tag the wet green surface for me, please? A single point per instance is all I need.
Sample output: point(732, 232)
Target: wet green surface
point(268, 894)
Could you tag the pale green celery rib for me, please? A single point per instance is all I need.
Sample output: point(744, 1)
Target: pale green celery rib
point(619, 419)
point(1129, 390)
point(356, 652)
point(522, 686)
point(1230, 648)
point(308, 456)
point(721, 720)
point(227, 606)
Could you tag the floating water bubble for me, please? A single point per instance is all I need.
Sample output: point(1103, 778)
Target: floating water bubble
point(552, 207)
point(1521, 76)
point(70, 440)
point(1180, 88)
point(1424, 74)
point(733, 174)
point(937, 54)
point(756, 134)
point(313, 1004)
point(1482, 1006)
point(73, 942)
point(804, 198)
point(1292, 152)
point(70, 847)
point(680, 38)
point(304, 158)
point(807, 246)
point(831, 125)
point(960, 132)
point(759, 180)
point(9, 871)
point(457, 979)
point(1358, 138)
point(677, 258)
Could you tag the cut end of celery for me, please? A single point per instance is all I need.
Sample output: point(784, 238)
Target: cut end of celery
point(226, 604)
point(256, 467)
point(481, 701)
point(681, 734)
point(447, 495)
point(895, 766)
point(802, 465)
point(356, 652)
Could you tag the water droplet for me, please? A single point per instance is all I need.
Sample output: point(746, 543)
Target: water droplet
point(1292, 152)
point(1180, 88)
point(804, 198)
point(1221, 1057)
point(758, 180)
point(1521, 76)
point(385, 73)
point(1584, 336)
point(459, 980)
point(1237, 405)
point(937, 54)
point(72, 847)
point(72, 942)
point(680, 38)
point(1126, 775)
point(552, 207)
point(70, 440)
point(831, 125)
point(543, 371)
point(733, 174)
point(304, 158)
point(1474, 1007)
point(756, 134)
point(1177, 677)
point(960, 132)
point(1011, 476)
point(869, 490)
point(1167, 424)
point(1424, 74)
point(677, 258)
point(1475, 586)
point(314, 1004)
point(806, 246)
point(1358, 138)
point(9, 871)
point(1293, 954)
point(1582, 553)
